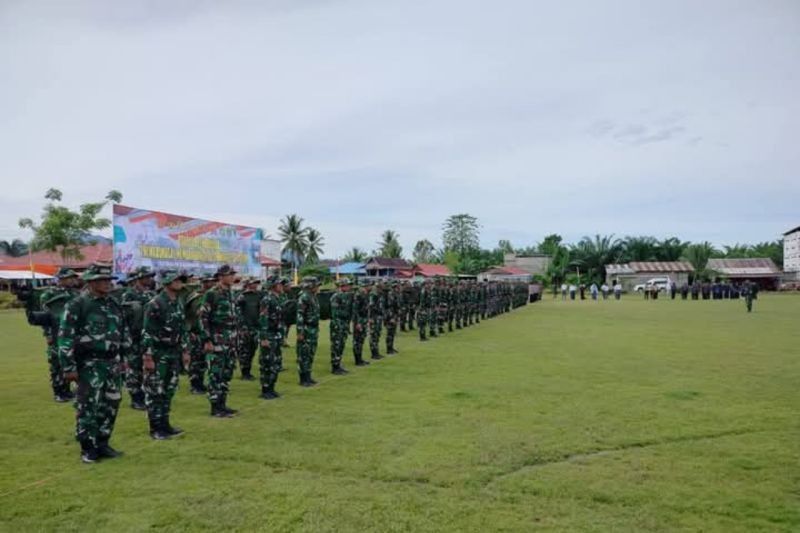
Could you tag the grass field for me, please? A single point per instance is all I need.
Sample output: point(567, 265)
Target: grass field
point(627, 415)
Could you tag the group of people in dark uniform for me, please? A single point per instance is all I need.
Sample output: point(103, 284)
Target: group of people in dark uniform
point(143, 335)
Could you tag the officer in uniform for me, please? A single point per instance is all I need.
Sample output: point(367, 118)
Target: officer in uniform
point(166, 345)
point(376, 310)
point(248, 301)
point(341, 316)
point(307, 329)
point(197, 357)
point(140, 290)
point(360, 322)
point(392, 315)
point(219, 331)
point(53, 301)
point(270, 334)
point(91, 338)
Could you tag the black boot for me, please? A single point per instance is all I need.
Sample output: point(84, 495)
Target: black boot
point(89, 452)
point(247, 376)
point(338, 370)
point(62, 394)
point(377, 356)
point(310, 379)
point(267, 393)
point(198, 387)
point(360, 361)
point(166, 426)
point(137, 401)
point(231, 412)
point(106, 451)
point(157, 432)
point(303, 380)
point(217, 411)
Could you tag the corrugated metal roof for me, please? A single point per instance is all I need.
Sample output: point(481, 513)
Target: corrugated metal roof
point(745, 268)
point(386, 262)
point(430, 270)
point(616, 268)
point(661, 266)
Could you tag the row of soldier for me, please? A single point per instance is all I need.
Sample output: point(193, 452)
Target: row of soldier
point(98, 335)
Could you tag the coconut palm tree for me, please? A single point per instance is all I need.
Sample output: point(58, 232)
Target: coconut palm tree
point(424, 251)
point(389, 246)
point(592, 255)
point(355, 255)
point(294, 238)
point(315, 242)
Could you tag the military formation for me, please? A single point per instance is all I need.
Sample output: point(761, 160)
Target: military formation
point(139, 339)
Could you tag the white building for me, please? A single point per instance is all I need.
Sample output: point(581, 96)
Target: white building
point(791, 253)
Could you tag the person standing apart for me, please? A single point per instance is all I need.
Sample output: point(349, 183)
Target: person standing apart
point(307, 325)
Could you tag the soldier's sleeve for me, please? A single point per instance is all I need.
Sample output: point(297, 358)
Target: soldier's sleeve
point(204, 318)
point(151, 325)
point(302, 311)
point(263, 318)
point(67, 330)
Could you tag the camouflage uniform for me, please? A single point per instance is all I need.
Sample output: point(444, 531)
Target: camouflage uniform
point(54, 301)
point(270, 329)
point(248, 302)
point(341, 316)
point(375, 306)
point(133, 300)
point(360, 323)
point(391, 316)
point(423, 310)
point(197, 357)
point(91, 337)
point(409, 307)
point(219, 319)
point(164, 340)
point(307, 330)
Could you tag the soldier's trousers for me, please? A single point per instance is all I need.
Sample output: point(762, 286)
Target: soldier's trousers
point(221, 362)
point(248, 341)
point(359, 335)
point(375, 335)
point(422, 323)
point(306, 349)
point(391, 332)
point(56, 371)
point(410, 316)
point(160, 385)
point(269, 362)
point(339, 331)
point(197, 360)
point(441, 316)
point(134, 377)
point(97, 403)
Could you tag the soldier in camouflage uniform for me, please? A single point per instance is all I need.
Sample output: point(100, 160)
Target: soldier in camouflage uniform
point(482, 303)
point(423, 310)
point(91, 337)
point(392, 315)
point(270, 335)
point(284, 298)
point(166, 344)
point(138, 292)
point(219, 320)
point(409, 306)
point(248, 301)
point(307, 329)
point(360, 323)
point(54, 300)
point(341, 316)
point(197, 357)
point(376, 309)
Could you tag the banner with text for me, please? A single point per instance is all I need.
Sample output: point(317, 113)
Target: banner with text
point(161, 240)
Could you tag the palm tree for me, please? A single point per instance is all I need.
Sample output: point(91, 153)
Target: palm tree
point(294, 238)
point(670, 249)
point(592, 255)
point(698, 255)
point(355, 255)
point(389, 246)
point(315, 244)
point(15, 248)
point(640, 248)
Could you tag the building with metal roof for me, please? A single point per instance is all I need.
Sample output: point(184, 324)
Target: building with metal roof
point(639, 272)
point(760, 270)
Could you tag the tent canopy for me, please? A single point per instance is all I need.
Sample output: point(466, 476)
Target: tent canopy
point(21, 274)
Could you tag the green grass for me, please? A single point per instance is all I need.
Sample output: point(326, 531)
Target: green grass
point(629, 415)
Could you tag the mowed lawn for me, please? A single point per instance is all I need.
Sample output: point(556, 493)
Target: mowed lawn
point(629, 415)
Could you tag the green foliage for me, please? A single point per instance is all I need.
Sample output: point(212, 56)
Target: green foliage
point(424, 252)
point(698, 255)
point(772, 250)
point(592, 255)
point(461, 234)
point(550, 244)
point(64, 230)
point(355, 255)
point(314, 247)
point(15, 248)
point(574, 416)
point(294, 238)
point(315, 269)
point(389, 245)
point(505, 246)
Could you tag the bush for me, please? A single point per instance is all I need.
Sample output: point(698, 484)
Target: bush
point(9, 301)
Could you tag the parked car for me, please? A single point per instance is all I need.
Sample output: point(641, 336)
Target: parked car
point(662, 284)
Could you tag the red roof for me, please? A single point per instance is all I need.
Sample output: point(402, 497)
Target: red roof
point(267, 262)
point(429, 270)
point(661, 266)
point(387, 262)
point(97, 253)
point(507, 271)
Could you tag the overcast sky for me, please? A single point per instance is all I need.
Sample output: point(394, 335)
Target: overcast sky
point(575, 117)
